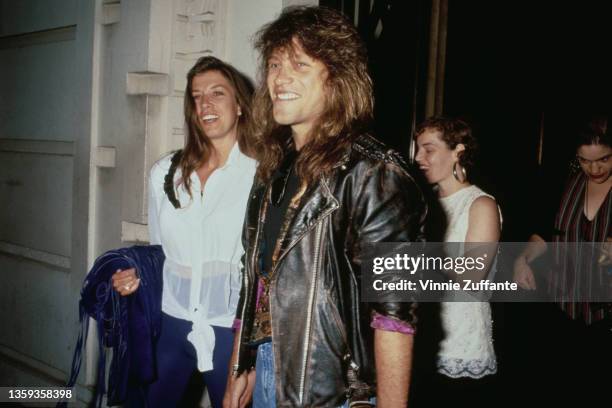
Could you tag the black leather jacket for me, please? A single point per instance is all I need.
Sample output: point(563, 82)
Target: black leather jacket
point(320, 328)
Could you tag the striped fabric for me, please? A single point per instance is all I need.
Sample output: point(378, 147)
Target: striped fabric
point(574, 274)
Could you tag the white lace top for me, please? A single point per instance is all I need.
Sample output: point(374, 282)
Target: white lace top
point(202, 244)
point(467, 349)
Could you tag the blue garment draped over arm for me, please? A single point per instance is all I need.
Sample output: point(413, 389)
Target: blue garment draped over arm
point(129, 325)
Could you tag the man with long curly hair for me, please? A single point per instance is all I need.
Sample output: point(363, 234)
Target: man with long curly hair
point(324, 188)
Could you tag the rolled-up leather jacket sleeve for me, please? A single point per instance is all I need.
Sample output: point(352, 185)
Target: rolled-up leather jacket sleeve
point(390, 207)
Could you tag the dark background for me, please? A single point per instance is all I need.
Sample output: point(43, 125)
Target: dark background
point(513, 69)
point(516, 71)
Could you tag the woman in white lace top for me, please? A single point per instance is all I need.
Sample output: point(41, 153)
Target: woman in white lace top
point(445, 149)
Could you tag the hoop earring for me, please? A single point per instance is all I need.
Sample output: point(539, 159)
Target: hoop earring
point(574, 165)
point(463, 173)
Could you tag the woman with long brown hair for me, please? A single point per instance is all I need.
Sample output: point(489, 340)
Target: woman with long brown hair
point(197, 200)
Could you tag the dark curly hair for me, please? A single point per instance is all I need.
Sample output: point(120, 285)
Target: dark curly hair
point(595, 132)
point(453, 132)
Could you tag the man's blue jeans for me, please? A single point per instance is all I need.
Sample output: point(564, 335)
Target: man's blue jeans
point(264, 395)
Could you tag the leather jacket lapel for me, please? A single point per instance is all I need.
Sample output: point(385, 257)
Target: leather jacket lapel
point(312, 207)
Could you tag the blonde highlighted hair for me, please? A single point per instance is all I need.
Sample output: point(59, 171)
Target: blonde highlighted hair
point(329, 37)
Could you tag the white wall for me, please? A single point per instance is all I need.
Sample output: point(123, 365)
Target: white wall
point(45, 124)
point(245, 18)
point(91, 96)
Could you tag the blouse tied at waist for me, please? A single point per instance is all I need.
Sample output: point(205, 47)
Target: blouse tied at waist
point(206, 297)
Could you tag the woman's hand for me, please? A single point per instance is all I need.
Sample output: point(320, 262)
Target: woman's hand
point(605, 257)
point(125, 282)
point(523, 274)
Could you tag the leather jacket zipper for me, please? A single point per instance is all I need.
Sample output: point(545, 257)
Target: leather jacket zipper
point(246, 283)
point(242, 314)
point(311, 296)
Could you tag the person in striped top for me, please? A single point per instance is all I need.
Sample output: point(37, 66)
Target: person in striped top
point(572, 345)
point(584, 215)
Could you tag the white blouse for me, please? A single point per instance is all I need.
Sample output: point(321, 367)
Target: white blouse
point(202, 244)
